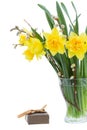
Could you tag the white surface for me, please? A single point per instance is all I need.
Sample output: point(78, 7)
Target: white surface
point(25, 85)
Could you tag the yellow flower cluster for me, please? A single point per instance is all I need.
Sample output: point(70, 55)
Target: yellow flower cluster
point(34, 46)
point(77, 45)
point(55, 43)
point(63, 46)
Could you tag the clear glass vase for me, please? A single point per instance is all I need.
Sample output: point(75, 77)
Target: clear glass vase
point(75, 95)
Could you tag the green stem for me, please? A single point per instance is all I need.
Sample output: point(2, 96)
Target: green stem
point(85, 66)
point(81, 68)
point(64, 63)
point(71, 103)
point(76, 61)
point(53, 62)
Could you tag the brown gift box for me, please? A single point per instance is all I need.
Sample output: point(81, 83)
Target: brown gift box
point(37, 118)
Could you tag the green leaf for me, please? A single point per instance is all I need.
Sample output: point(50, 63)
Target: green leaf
point(61, 18)
point(49, 21)
point(37, 35)
point(64, 65)
point(52, 61)
point(44, 8)
point(71, 29)
point(86, 30)
point(81, 68)
point(48, 16)
point(77, 17)
point(66, 11)
point(76, 61)
point(76, 27)
point(74, 7)
point(57, 58)
point(85, 66)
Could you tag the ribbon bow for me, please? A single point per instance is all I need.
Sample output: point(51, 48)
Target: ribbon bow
point(32, 111)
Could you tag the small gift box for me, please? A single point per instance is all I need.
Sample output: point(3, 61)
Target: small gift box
point(39, 116)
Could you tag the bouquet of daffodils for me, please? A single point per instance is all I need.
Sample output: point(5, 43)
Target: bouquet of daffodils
point(64, 47)
point(66, 50)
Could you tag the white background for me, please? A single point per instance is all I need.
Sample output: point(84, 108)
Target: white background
point(30, 85)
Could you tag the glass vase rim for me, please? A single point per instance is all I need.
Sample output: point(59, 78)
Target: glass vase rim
point(73, 78)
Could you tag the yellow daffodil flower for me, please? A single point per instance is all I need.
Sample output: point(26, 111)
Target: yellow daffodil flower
point(77, 45)
point(28, 54)
point(34, 47)
point(55, 42)
point(22, 38)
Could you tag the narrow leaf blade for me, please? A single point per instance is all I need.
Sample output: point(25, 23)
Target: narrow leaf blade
point(48, 16)
point(66, 11)
point(61, 18)
point(37, 35)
